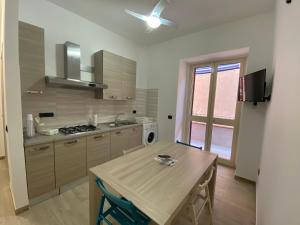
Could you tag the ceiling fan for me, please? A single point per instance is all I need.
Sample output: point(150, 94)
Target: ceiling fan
point(154, 20)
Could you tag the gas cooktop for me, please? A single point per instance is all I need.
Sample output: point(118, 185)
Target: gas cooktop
point(76, 129)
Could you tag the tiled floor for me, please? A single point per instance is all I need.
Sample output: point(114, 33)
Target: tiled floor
point(234, 204)
point(6, 204)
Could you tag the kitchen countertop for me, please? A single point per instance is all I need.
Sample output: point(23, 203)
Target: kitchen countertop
point(42, 139)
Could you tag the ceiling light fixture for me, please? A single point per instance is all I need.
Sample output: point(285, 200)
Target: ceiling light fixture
point(153, 22)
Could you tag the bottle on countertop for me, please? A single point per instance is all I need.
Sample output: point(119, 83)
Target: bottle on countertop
point(94, 120)
point(30, 126)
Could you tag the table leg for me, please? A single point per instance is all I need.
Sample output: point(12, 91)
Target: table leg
point(94, 198)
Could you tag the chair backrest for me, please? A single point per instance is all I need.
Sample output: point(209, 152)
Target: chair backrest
point(206, 182)
point(119, 202)
point(182, 143)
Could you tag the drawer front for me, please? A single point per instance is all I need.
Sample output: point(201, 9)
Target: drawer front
point(135, 137)
point(98, 149)
point(70, 160)
point(40, 169)
point(119, 142)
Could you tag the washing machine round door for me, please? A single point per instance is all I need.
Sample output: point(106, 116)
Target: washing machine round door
point(150, 137)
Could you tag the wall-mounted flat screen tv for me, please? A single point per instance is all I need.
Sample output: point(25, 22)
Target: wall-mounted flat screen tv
point(252, 87)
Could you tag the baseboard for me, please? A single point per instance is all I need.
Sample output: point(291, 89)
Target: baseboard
point(244, 179)
point(20, 210)
point(43, 197)
point(226, 163)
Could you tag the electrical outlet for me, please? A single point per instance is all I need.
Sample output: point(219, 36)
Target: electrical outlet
point(47, 114)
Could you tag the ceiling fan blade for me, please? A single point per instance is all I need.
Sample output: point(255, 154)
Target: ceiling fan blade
point(159, 8)
point(168, 23)
point(136, 15)
point(148, 30)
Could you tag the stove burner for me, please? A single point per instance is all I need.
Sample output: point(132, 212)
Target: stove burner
point(76, 129)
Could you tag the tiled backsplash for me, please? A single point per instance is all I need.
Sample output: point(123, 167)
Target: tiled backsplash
point(76, 106)
point(152, 103)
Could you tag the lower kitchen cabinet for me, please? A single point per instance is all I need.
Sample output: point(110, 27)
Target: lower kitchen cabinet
point(70, 160)
point(134, 137)
point(98, 149)
point(40, 169)
point(119, 142)
point(51, 165)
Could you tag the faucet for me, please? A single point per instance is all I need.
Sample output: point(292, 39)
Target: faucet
point(117, 118)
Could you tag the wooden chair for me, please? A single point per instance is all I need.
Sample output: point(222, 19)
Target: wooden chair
point(125, 152)
point(201, 193)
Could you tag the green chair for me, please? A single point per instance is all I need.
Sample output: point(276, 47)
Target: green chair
point(120, 209)
point(179, 142)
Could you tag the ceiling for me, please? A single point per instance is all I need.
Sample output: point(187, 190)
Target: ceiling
point(190, 15)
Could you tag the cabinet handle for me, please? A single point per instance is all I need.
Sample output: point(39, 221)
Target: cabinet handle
point(40, 149)
point(118, 132)
point(71, 142)
point(34, 92)
point(43, 148)
point(98, 137)
point(113, 97)
point(129, 98)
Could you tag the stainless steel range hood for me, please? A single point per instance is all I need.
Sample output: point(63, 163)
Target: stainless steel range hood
point(72, 70)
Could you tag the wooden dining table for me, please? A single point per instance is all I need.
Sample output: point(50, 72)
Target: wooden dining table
point(159, 191)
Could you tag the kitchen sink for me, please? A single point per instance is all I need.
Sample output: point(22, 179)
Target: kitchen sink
point(121, 123)
point(124, 123)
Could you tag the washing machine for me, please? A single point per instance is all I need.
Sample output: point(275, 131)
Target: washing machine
point(150, 133)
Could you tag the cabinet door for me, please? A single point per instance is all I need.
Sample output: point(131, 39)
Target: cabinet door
point(119, 142)
point(112, 76)
point(128, 79)
point(98, 149)
point(135, 137)
point(40, 169)
point(118, 73)
point(31, 57)
point(70, 160)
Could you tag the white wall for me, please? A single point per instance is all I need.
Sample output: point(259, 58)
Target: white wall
point(13, 113)
point(61, 25)
point(278, 199)
point(2, 141)
point(163, 69)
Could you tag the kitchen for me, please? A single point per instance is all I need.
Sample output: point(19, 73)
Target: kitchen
point(74, 131)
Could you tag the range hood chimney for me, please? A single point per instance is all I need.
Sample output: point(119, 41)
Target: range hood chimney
point(72, 70)
point(72, 56)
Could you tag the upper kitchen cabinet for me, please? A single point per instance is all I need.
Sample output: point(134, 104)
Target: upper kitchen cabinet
point(128, 78)
point(31, 57)
point(118, 72)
